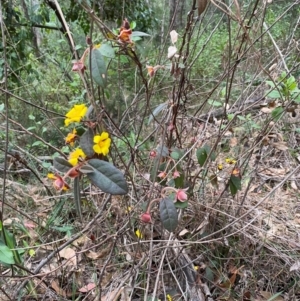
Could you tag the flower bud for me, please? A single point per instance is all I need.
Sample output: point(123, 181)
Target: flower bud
point(153, 154)
point(146, 218)
point(181, 195)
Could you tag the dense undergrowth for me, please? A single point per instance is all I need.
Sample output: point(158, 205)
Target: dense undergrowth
point(147, 167)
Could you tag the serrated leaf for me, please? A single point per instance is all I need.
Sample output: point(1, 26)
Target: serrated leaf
point(140, 34)
point(77, 198)
point(6, 255)
point(168, 214)
point(98, 67)
point(107, 50)
point(107, 177)
point(234, 184)
point(86, 142)
point(61, 164)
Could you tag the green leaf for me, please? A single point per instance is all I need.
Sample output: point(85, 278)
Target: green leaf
point(6, 255)
point(277, 113)
point(77, 198)
point(37, 143)
point(63, 228)
point(86, 169)
point(292, 86)
point(86, 142)
point(55, 212)
point(11, 244)
point(234, 184)
point(61, 164)
point(1, 107)
point(89, 111)
point(98, 68)
point(274, 94)
point(181, 205)
point(270, 83)
point(297, 99)
point(215, 103)
point(202, 154)
point(140, 34)
point(240, 117)
point(107, 50)
point(107, 177)
point(274, 297)
point(176, 153)
point(230, 116)
point(162, 151)
point(132, 24)
point(157, 110)
point(168, 214)
point(179, 182)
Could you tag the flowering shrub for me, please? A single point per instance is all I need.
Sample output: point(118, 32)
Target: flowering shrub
point(88, 159)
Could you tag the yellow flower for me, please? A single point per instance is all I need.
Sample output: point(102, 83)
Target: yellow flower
point(74, 156)
point(139, 234)
point(71, 137)
point(169, 297)
point(230, 161)
point(102, 143)
point(220, 166)
point(128, 210)
point(51, 176)
point(75, 114)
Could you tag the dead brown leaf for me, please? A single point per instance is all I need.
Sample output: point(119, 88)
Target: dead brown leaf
point(267, 295)
point(70, 255)
point(266, 110)
point(58, 289)
point(87, 288)
point(295, 266)
point(280, 145)
point(201, 6)
point(233, 142)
